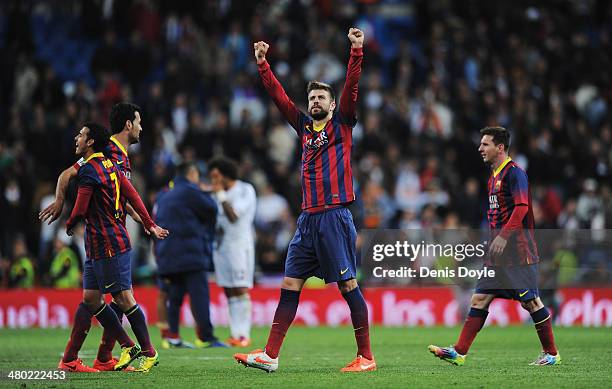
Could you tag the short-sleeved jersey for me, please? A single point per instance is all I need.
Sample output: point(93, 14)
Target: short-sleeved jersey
point(508, 187)
point(118, 154)
point(244, 202)
point(326, 173)
point(105, 232)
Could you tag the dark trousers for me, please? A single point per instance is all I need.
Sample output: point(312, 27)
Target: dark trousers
point(196, 285)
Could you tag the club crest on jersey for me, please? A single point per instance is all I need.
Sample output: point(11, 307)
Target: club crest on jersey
point(316, 140)
point(497, 184)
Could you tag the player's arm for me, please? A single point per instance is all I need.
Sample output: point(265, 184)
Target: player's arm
point(348, 100)
point(274, 87)
point(515, 223)
point(132, 196)
point(231, 214)
point(80, 207)
point(240, 207)
point(54, 210)
point(132, 212)
point(519, 188)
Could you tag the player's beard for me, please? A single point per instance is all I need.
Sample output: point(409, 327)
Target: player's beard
point(322, 114)
point(134, 139)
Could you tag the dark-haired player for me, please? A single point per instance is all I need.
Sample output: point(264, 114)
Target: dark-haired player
point(513, 253)
point(126, 127)
point(234, 254)
point(101, 200)
point(324, 243)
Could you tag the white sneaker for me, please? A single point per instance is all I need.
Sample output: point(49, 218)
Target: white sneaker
point(547, 359)
point(258, 359)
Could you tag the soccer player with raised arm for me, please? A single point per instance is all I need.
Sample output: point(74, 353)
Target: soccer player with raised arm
point(513, 253)
point(126, 126)
point(324, 242)
point(101, 201)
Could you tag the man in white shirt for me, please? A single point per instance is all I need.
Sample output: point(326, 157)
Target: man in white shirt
point(234, 254)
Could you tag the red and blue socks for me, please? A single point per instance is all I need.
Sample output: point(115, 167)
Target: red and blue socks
point(543, 324)
point(105, 351)
point(474, 322)
point(80, 328)
point(283, 317)
point(359, 317)
point(139, 325)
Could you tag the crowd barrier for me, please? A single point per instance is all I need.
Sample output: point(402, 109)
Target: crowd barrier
point(48, 308)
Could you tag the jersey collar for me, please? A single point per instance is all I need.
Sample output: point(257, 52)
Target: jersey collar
point(501, 167)
point(94, 155)
point(115, 141)
point(319, 128)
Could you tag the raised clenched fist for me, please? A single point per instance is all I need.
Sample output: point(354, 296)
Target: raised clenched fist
point(356, 37)
point(261, 48)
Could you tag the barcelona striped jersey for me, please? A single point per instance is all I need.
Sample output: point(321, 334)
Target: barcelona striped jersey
point(326, 172)
point(508, 187)
point(105, 232)
point(118, 154)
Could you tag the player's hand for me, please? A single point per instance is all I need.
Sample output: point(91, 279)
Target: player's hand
point(497, 246)
point(52, 212)
point(356, 37)
point(158, 232)
point(205, 187)
point(261, 48)
point(69, 229)
point(216, 186)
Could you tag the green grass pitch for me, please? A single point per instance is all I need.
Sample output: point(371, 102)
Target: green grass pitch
point(311, 357)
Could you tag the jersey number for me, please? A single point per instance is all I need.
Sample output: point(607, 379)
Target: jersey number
point(113, 177)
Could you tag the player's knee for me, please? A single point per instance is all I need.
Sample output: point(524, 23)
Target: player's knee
point(124, 299)
point(347, 285)
point(480, 301)
point(233, 292)
point(92, 301)
point(532, 305)
point(292, 284)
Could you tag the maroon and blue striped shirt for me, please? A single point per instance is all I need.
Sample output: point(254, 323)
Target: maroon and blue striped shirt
point(105, 232)
point(326, 173)
point(118, 154)
point(508, 187)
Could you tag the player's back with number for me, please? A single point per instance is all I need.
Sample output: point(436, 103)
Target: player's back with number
point(105, 235)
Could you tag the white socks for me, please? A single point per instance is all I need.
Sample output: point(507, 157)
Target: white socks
point(240, 316)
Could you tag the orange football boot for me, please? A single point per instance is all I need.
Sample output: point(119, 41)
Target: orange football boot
point(109, 365)
point(360, 364)
point(76, 366)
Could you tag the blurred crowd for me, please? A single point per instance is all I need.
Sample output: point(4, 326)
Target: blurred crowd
point(434, 73)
